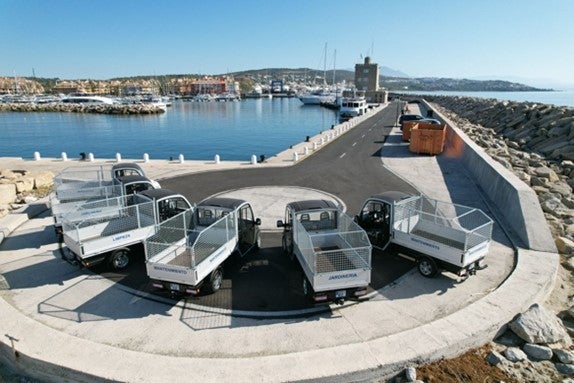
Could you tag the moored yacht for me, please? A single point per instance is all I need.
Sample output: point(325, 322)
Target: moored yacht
point(352, 107)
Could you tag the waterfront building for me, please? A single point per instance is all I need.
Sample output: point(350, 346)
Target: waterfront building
point(367, 80)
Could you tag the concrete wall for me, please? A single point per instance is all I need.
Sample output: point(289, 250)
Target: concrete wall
point(517, 202)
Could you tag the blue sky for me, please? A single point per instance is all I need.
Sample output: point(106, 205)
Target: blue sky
point(530, 41)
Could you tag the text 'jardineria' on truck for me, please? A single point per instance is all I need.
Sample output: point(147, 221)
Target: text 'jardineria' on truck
point(333, 251)
point(441, 235)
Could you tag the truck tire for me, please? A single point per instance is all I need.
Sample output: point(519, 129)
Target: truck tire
point(119, 259)
point(214, 281)
point(427, 267)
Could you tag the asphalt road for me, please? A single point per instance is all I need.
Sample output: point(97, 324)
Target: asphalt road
point(349, 167)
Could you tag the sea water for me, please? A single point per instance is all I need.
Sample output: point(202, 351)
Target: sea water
point(559, 98)
point(199, 130)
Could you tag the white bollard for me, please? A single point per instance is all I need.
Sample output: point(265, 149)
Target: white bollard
point(216, 159)
point(295, 157)
point(146, 157)
point(118, 157)
point(64, 156)
point(306, 150)
point(315, 145)
point(37, 156)
point(91, 157)
point(181, 159)
point(322, 140)
point(253, 159)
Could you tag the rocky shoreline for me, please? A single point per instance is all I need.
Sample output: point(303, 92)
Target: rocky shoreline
point(535, 142)
point(79, 108)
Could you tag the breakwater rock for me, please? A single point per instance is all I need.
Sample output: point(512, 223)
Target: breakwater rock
point(80, 108)
point(532, 141)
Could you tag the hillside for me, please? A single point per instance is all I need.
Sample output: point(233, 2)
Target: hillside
point(313, 76)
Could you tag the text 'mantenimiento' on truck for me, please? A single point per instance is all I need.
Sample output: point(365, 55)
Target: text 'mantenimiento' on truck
point(187, 252)
point(111, 227)
point(443, 235)
point(334, 252)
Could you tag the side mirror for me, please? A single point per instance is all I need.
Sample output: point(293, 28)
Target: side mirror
point(279, 223)
point(258, 221)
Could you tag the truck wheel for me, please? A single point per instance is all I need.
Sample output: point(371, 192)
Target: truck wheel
point(215, 280)
point(119, 259)
point(427, 267)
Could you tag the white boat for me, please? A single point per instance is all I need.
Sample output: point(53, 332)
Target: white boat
point(317, 97)
point(352, 107)
point(89, 100)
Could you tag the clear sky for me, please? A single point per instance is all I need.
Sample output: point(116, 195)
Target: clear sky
point(530, 41)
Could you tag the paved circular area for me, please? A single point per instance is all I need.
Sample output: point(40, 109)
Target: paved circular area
point(268, 202)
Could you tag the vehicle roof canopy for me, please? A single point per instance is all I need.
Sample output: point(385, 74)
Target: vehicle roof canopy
point(127, 165)
point(313, 204)
point(132, 179)
point(158, 194)
point(391, 196)
point(226, 203)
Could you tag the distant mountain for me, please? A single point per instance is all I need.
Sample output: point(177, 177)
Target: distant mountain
point(396, 81)
point(390, 72)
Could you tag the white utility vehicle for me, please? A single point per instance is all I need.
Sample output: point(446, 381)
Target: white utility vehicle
point(333, 251)
point(188, 251)
point(443, 235)
point(112, 227)
point(77, 182)
point(120, 186)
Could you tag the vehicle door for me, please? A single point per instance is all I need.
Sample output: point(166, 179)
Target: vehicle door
point(375, 220)
point(248, 229)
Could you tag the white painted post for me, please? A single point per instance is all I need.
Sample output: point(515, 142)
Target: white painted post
point(146, 157)
point(91, 157)
point(295, 157)
point(253, 159)
point(315, 145)
point(216, 159)
point(322, 140)
point(37, 156)
point(306, 150)
point(181, 159)
point(118, 157)
point(64, 156)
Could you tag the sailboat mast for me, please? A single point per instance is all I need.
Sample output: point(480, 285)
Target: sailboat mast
point(325, 66)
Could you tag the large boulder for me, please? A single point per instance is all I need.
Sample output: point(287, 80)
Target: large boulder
point(24, 184)
point(538, 325)
point(42, 179)
point(7, 194)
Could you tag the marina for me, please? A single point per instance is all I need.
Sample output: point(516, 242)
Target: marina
point(197, 130)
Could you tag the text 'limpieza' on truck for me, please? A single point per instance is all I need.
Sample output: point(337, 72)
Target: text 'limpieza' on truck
point(187, 252)
point(334, 252)
point(73, 203)
point(443, 235)
point(110, 228)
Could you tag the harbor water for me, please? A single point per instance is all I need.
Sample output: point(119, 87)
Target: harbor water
point(199, 130)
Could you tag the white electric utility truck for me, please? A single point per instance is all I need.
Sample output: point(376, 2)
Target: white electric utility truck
point(334, 252)
point(441, 235)
point(187, 253)
point(76, 182)
point(114, 226)
point(78, 207)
